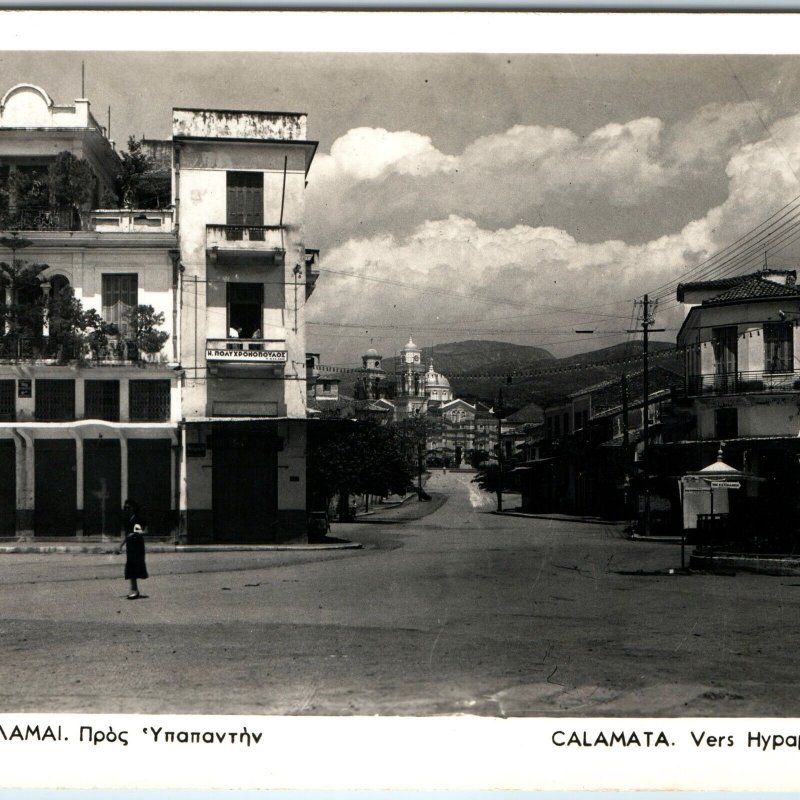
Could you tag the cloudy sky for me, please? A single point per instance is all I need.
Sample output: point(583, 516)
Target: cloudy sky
point(512, 197)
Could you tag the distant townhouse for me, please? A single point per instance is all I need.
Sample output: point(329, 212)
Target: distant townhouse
point(584, 458)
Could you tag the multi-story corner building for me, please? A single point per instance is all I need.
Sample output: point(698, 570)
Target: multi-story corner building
point(87, 418)
point(199, 417)
point(239, 184)
point(742, 385)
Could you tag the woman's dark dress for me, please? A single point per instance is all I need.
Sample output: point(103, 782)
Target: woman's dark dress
point(135, 567)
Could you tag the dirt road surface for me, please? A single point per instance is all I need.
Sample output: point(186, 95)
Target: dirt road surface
point(457, 611)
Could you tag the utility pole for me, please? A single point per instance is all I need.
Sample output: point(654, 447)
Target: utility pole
point(625, 439)
point(419, 432)
point(500, 450)
point(647, 321)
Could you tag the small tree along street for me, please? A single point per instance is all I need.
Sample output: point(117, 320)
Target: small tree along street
point(347, 457)
point(493, 478)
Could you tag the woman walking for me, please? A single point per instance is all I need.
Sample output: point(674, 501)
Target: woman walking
point(135, 567)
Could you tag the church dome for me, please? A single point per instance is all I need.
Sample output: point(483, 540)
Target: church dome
point(411, 346)
point(371, 353)
point(437, 387)
point(436, 379)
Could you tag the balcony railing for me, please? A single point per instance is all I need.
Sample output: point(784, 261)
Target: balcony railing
point(250, 351)
point(130, 220)
point(115, 220)
point(236, 242)
point(743, 382)
point(40, 218)
point(45, 348)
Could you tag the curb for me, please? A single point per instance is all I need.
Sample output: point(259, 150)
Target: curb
point(88, 549)
point(556, 518)
point(762, 566)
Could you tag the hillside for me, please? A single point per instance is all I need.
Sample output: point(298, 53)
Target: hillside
point(498, 360)
point(478, 355)
point(469, 357)
point(579, 371)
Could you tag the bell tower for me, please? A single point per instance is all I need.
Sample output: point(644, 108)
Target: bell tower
point(411, 390)
point(373, 385)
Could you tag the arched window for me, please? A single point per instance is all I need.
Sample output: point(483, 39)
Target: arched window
point(58, 283)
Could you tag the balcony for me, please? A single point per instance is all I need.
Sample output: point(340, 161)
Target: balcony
point(130, 220)
point(40, 218)
point(743, 382)
point(44, 349)
point(247, 351)
point(230, 245)
point(115, 220)
point(312, 271)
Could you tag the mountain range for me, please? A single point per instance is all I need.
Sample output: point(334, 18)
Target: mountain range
point(463, 362)
point(530, 377)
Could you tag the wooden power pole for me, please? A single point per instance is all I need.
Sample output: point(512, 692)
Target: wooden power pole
point(646, 331)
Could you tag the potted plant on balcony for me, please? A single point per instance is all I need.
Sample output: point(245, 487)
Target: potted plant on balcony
point(22, 313)
point(140, 182)
point(51, 198)
point(143, 321)
point(74, 187)
point(75, 333)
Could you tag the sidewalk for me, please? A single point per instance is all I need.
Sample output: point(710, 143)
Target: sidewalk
point(560, 517)
point(110, 548)
point(408, 510)
point(762, 564)
point(400, 509)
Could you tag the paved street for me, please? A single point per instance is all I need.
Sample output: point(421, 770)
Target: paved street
point(461, 611)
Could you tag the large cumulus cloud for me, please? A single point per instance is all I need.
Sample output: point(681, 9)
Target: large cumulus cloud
point(463, 227)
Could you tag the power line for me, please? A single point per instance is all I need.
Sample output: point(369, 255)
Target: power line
point(532, 373)
point(449, 329)
point(461, 295)
point(747, 241)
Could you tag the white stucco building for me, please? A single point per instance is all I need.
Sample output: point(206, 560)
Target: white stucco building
point(207, 434)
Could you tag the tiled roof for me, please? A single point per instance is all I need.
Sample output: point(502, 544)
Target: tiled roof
point(719, 283)
point(723, 284)
point(608, 394)
point(753, 288)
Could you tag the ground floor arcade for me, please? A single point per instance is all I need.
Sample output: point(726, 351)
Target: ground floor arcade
point(214, 481)
point(70, 479)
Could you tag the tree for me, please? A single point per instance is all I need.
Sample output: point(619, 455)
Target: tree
point(348, 457)
point(23, 310)
point(73, 329)
point(139, 182)
point(477, 458)
point(143, 321)
point(491, 478)
point(413, 434)
point(134, 163)
point(31, 188)
point(73, 181)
